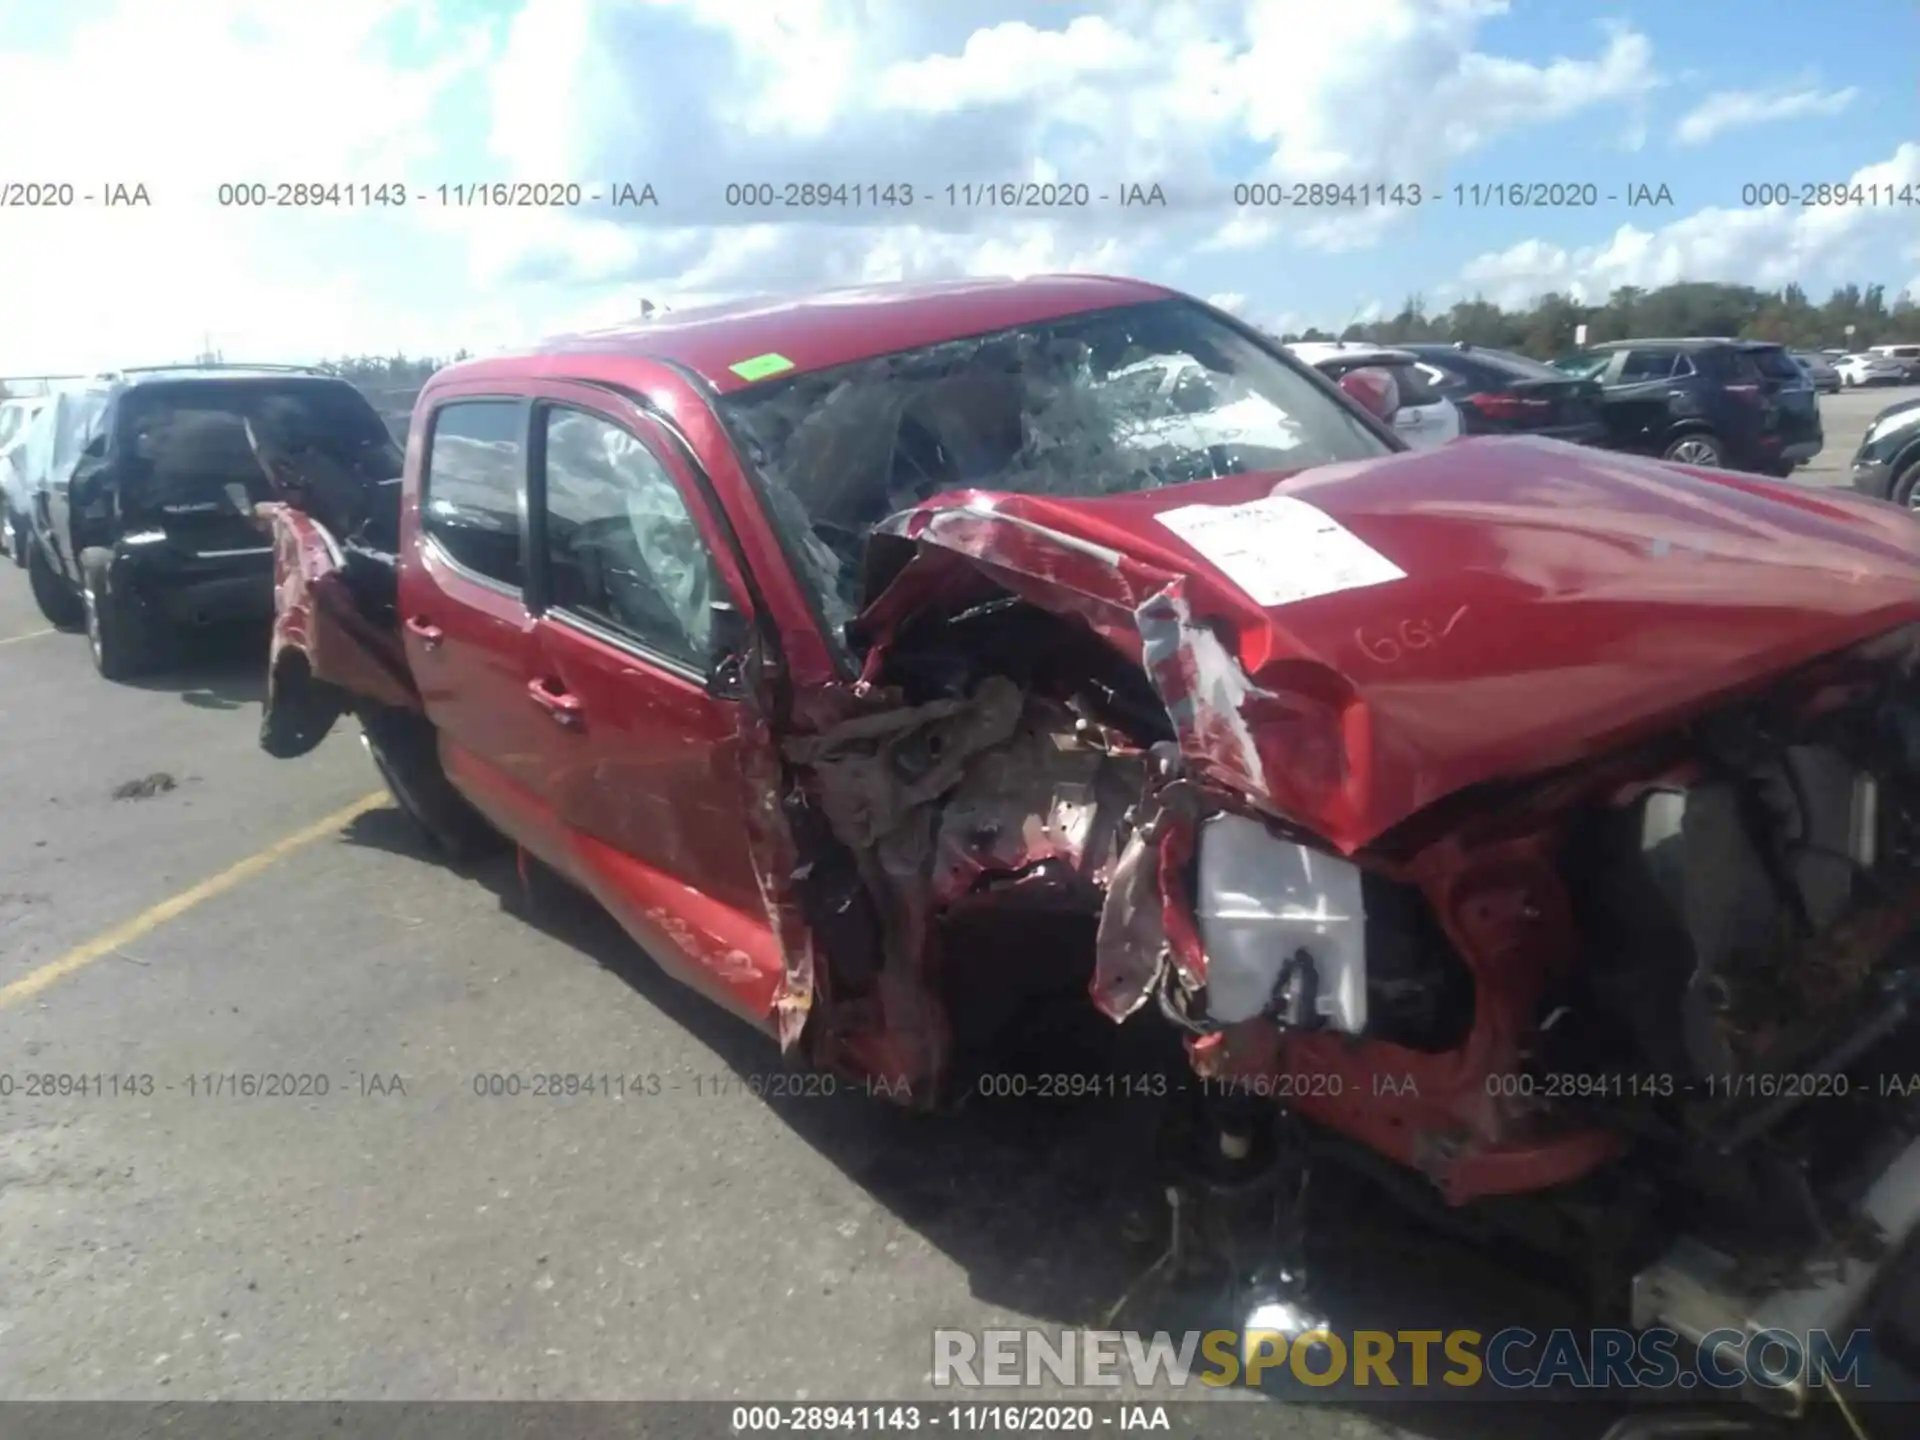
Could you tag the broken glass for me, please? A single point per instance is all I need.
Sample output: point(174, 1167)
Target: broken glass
point(1101, 403)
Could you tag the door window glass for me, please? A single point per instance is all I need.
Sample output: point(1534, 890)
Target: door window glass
point(474, 469)
point(1646, 365)
point(621, 547)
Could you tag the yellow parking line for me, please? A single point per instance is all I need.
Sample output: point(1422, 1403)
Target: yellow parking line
point(126, 933)
point(30, 635)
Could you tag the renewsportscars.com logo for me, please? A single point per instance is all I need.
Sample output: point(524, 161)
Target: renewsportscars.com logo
point(1440, 1362)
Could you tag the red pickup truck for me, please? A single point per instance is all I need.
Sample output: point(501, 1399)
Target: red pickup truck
point(1535, 824)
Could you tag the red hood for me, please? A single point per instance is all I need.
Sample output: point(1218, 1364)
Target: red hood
point(1551, 603)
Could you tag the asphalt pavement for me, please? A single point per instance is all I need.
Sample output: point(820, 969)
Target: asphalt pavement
point(187, 925)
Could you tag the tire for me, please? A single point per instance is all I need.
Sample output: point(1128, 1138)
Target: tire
point(406, 751)
point(58, 600)
point(117, 631)
point(1905, 490)
point(1698, 447)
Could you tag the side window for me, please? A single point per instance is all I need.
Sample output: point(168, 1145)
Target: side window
point(621, 547)
point(474, 469)
point(1642, 365)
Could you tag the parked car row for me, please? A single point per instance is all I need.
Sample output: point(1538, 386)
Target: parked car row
point(892, 661)
point(131, 497)
point(1883, 365)
point(1739, 404)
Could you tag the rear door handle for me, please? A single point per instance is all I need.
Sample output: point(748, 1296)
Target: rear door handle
point(562, 705)
point(428, 633)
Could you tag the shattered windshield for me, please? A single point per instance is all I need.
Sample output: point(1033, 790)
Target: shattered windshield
point(1104, 403)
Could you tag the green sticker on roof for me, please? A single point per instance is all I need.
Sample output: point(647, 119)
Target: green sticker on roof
point(760, 367)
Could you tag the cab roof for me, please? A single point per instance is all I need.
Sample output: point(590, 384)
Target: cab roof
point(831, 327)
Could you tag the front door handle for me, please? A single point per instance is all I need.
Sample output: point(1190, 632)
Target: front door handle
point(562, 705)
point(428, 633)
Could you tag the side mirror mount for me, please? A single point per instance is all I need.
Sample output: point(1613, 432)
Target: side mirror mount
point(728, 639)
point(1375, 390)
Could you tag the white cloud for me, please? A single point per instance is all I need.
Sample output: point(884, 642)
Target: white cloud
point(689, 95)
point(837, 89)
point(1739, 109)
point(182, 98)
point(1012, 63)
point(1767, 246)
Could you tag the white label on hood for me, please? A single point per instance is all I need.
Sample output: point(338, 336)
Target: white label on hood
point(1281, 550)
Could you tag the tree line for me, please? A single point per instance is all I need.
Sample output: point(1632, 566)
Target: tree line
point(1548, 327)
point(1544, 329)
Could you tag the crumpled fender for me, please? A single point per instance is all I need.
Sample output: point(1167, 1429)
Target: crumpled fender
point(325, 653)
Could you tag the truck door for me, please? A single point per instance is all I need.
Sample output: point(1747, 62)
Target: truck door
point(652, 755)
point(463, 611)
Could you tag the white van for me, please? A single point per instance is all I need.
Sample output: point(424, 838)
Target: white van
point(1908, 355)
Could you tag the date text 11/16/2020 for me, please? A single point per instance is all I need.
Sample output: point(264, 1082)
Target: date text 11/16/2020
point(1013, 1085)
point(465, 195)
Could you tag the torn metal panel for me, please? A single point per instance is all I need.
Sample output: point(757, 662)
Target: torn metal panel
point(319, 617)
point(1141, 609)
point(1131, 951)
point(780, 870)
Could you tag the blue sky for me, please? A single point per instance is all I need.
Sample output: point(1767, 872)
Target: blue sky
point(688, 95)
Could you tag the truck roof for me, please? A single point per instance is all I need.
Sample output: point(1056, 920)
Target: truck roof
point(824, 329)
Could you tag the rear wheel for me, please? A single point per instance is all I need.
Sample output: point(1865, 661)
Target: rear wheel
point(117, 632)
point(1699, 449)
point(57, 599)
point(406, 751)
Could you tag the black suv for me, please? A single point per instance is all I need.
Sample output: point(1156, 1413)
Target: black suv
point(143, 520)
point(1739, 404)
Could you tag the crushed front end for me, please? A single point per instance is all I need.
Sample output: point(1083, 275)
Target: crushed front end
point(1622, 969)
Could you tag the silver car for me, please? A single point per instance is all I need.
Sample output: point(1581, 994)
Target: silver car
point(1819, 370)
